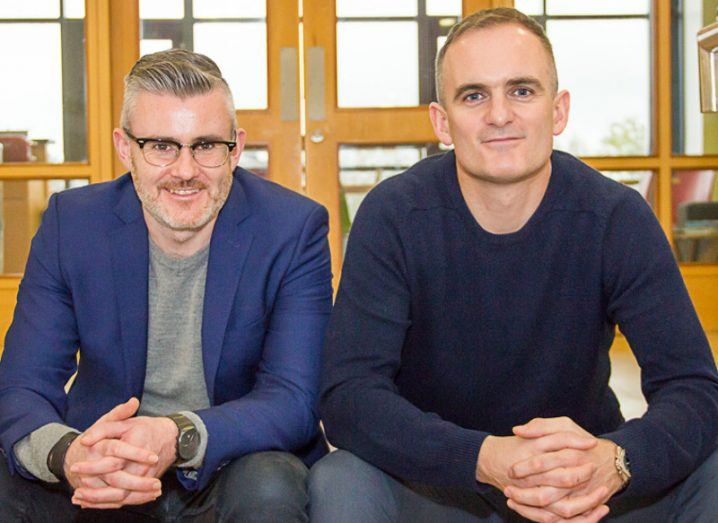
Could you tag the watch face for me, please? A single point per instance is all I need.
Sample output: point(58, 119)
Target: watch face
point(188, 444)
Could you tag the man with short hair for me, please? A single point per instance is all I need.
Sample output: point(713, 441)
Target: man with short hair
point(197, 295)
point(467, 358)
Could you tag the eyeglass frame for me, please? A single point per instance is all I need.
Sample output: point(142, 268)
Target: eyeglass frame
point(141, 142)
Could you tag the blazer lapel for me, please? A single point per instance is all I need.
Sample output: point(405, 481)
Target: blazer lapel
point(231, 240)
point(130, 267)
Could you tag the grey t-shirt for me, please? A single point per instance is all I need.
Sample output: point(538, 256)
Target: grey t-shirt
point(174, 378)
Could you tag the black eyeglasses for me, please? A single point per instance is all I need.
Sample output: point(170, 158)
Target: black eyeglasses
point(161, 152)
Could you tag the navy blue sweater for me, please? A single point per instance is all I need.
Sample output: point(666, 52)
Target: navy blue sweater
point(443, 333)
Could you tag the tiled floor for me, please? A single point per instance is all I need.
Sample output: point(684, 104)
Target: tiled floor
point(625, 377)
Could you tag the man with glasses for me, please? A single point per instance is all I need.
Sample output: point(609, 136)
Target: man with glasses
point(197, 295)
point(466, 367)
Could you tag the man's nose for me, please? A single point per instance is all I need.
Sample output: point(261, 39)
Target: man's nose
point(185, 167)
point(499, 111)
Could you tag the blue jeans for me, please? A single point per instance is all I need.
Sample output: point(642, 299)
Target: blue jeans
point(345, 489)
point(260, 487)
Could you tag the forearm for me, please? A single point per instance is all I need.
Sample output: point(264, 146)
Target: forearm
point(32, 450)
point(387, 430)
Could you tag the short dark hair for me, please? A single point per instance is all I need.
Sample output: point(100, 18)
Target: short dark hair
point(492, 18)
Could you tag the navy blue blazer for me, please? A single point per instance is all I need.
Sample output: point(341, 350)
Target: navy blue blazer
point(267, 300)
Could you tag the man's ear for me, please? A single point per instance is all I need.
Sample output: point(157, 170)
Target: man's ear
point(122, 146)
point(241, 139)
point(561, 108)
point(440, 123)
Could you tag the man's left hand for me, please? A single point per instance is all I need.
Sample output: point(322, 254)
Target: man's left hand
point(158, 435)
point(547, 471)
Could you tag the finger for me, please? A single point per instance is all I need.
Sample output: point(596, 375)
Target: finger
point(561, 477)
point(92, 482)
point(538, 427)
point(100, 495)
point(121, 449)
point(104, 430)
point(596, 514)
point(135, 498)
point(122, 411)
point(535, 496)
point(533, 513)
point(103, 465)
point(124, 480)
point(571, 506)
point(565, 440)
point(566, 458)
point(100, 506)
point(545, 516)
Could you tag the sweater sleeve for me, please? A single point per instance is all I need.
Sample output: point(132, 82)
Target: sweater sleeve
point(647, 298)
point(361, 407)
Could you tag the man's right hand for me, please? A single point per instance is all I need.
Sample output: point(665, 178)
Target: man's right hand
point(498, 455)
point(103, 483)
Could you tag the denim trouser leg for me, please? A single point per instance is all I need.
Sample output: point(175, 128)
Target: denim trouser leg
point(345, 489)
point(260, 487)
point(694, 500)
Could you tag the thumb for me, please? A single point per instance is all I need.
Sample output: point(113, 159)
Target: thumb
point(122, 411)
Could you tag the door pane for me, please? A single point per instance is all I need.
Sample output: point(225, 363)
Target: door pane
point(22, 203)
point(597, 7)
point(229, 9)
point(694, 132)
point(256, 159)
point(529, 7)
point(386, 59)
point(74, 8)
point(377, 64)
point(245, 72)
point(374, 8)
point(362, 167)
point(239, 47)
point(162, 9)
point(30, 9)
point(43, 115)
point(694, 198)
point(609, 82)
point(642, 181)
point(443, 7)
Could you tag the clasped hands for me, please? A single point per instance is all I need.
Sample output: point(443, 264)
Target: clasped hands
point(551, 470)
point(118, 461)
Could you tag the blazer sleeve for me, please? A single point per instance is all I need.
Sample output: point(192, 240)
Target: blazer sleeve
point(41, 344)
point(280, 412)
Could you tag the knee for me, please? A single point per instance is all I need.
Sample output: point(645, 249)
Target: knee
point(266, 479)
point(342, 475)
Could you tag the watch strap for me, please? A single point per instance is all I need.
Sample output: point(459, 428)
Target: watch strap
point(56, 456)
point(184, 424)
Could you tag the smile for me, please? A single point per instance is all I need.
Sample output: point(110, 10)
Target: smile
point(183, 192)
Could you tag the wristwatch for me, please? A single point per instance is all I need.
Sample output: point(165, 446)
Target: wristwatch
point(622, 466)
point(187, 438)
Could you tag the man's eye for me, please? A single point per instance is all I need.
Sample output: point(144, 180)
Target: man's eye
point(161, 147)
point(473, 97)
point(205, 146)
point(522, 91)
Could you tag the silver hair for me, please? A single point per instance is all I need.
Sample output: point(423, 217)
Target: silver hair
point(177, 72)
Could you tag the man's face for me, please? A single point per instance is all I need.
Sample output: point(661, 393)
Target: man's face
point(183, 196)
point(499, 107)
